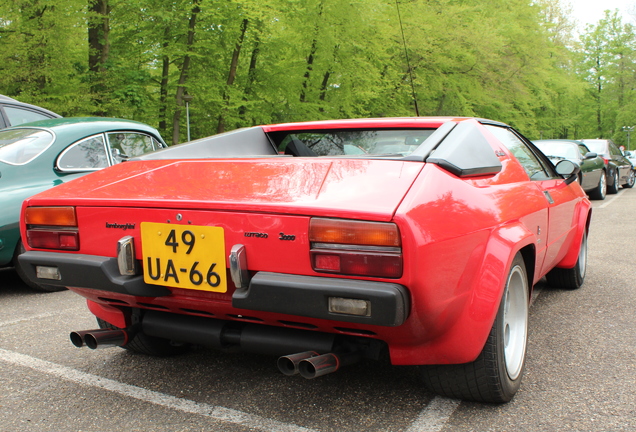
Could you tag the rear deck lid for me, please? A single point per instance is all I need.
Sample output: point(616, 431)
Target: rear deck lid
point(349, 188)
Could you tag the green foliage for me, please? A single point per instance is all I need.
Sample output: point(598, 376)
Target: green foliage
point(249, 62)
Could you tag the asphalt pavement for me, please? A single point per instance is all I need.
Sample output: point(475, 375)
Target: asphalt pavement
point(580, 373)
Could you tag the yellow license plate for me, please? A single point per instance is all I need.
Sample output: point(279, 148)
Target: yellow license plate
point(184, 256)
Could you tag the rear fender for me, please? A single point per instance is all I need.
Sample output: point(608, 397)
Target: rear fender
point(583, 219)
point(465, 339)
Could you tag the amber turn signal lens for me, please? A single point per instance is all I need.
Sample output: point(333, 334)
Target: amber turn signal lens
point(354, 232)
point(50, 216)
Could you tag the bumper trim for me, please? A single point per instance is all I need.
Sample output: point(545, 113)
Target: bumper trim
point(88, 271)
point(308, 296)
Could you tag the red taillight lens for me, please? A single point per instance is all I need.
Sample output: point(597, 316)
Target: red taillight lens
point(358, 248)
point(358, 263)
point(52, 228)
point(53, 239)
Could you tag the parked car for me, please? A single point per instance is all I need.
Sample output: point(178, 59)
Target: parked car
point(592, 178)
point(619, 169)
point(13, 112)
point(427, 258)
point(37, 156)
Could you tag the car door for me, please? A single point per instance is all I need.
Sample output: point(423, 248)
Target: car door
point(623, 164)
point(559, 196)
point(591, 168)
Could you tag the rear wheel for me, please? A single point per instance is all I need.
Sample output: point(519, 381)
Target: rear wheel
point(148, 345)
point(600, 191)
point(495, 376)
point(613, 188)
point(631, 179)
point(571, 278)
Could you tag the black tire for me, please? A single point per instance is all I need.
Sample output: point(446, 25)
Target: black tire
point(19, 249)
point(148, 345)
point(495, 376)
point(571, 278)
point(600, 191)
point(631, 179)
point(613, 188)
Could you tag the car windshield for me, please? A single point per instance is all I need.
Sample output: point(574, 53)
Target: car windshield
point(20, 146)
point(558, 149)
point(358, 143)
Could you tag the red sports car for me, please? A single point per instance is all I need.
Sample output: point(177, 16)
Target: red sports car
point(324, 243)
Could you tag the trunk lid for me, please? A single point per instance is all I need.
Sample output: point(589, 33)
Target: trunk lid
point(347, 188)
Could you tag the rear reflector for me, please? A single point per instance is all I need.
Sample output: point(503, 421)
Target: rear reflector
point(50, 216)
point(53, 239)
point(353, 232)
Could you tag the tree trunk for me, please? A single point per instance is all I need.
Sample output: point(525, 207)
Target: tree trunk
point(310, 59)
point(163, 85)
point(232, 74)
point(251, 75)
point(184, 72)
point(98, 50)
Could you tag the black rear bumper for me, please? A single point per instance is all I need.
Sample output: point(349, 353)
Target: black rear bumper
point(306, 296)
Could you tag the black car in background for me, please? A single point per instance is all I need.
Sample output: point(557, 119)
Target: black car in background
point(619, 169)
point(13, 112)
point(593, 175)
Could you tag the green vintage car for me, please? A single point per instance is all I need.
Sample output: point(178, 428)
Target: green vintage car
point(39, 155)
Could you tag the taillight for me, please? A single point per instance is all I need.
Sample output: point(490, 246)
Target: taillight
point(52, 228)
point(358, 248)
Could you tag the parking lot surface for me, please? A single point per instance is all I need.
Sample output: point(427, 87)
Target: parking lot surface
point(580, 372)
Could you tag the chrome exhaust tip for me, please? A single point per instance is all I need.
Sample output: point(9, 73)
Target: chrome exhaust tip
point(288, 364)
point(314, 367)
point(99, 338)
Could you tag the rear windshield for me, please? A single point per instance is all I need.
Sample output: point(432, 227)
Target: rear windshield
point(20, 146)
point(358, 143)
point(597, 146)
point(558, 149)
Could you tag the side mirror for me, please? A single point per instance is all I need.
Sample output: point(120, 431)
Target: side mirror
point(568, 170)
point(590, 155)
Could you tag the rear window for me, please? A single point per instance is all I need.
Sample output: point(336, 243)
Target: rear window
point(558, 149)
point(598, 146)
point(357, 143)
point(20, 146)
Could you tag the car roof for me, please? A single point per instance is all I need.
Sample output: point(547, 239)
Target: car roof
point(76, 127)
point(573, 141)
point(373, 123)
point(6, 100)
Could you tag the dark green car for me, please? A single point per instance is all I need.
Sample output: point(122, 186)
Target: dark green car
point(39, 155)
point(593, 174)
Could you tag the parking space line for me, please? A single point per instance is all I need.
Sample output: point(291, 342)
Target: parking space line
point(32, 317)
point(185, 405)
point(606, 203)
point(435, 415)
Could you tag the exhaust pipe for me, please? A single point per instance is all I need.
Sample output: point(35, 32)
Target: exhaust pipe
point(288, 364)
point(314, 367)
point(99, 338)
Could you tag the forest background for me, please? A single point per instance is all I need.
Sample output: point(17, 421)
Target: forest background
point(248, 62)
